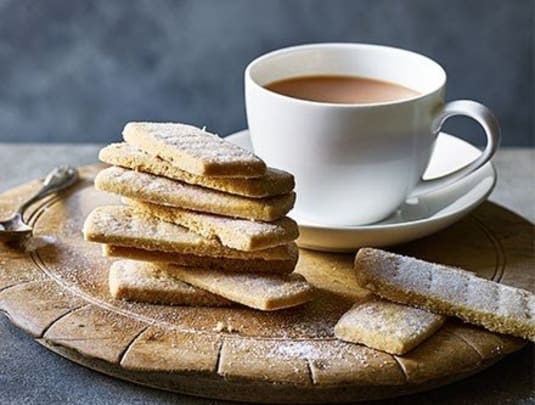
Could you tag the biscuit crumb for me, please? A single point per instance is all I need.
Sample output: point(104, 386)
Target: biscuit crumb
point(231, 329)
point(221, 327)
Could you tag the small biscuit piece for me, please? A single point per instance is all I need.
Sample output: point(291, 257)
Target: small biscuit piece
point(234, 233)
point(274, 182)
point(267, 292)
point(193, 149)
point(145, 282)
point(124, 226)
point(274, 266)
point(383, 325)
point(163, 191)
point(447, 291)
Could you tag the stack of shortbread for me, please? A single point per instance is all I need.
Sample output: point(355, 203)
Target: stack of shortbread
point(204, 221)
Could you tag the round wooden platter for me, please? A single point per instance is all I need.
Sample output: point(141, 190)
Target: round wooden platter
point(55, 288)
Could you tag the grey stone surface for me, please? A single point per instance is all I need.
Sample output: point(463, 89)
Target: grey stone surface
point(75, 71)
point(30, 374)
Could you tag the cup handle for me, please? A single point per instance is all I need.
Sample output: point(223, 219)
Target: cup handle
point(484, 117)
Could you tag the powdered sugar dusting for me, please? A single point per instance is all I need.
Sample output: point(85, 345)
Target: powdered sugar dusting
point(297, 349)
point(37, 242)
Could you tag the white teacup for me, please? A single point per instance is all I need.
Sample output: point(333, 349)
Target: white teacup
point(355, 164)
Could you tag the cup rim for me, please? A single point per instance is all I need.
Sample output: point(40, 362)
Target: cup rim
point(289, 49)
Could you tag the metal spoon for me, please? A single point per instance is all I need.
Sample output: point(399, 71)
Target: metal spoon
point(58, 179)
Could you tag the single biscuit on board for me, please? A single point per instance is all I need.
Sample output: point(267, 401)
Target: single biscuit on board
point(124, 226)
point(163, 191)
point(267, 292)
point(447, 291)
point(234, 233)
point(193, 149)
point(274, 182)
point(386, 326)
point(146, 282)
point(274, 266)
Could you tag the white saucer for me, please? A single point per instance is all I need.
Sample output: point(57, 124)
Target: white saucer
point(415, 218)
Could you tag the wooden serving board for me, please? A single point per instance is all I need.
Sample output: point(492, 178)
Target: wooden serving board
point(56, 290)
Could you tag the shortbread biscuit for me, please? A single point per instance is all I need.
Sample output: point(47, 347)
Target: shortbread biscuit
point(267, 292)
point(163, 191)
point(146, 282)
point(193, 149)
point(274, 182)
point(386, 326)
point(234, 233)
point(124, 226)
point(447, 291)
point(274, 266)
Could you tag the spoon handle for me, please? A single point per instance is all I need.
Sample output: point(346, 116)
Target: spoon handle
point(58, 179)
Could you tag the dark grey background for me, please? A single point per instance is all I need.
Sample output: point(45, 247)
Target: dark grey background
point(77, 70)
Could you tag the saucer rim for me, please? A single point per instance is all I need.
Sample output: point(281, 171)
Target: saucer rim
point(489, 166)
